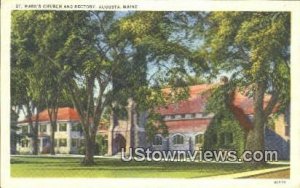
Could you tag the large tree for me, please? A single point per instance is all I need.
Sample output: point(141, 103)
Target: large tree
point(35, 78)
point(253, 48)
point(24, 93)
point(102, 57)
point(106, 62)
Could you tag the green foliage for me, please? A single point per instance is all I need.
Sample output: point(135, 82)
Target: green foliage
point(224, 123)
point(219, 99)
point(254, 49)
point(101, 144)
point(155, 124)
point(81, 150)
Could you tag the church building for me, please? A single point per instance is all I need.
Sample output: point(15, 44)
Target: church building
point(186, 120)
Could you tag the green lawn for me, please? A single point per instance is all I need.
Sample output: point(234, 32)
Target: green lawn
point(115, 168)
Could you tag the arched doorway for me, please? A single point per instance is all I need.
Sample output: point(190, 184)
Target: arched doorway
point(120, 143)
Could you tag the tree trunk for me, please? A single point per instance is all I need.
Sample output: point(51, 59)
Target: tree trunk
point(35, 143)
point(255, 136)
point(89, 152)
point(52, 151)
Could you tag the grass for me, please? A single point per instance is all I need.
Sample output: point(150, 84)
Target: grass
point(115, 168)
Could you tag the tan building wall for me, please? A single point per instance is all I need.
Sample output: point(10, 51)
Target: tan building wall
point(281, 127)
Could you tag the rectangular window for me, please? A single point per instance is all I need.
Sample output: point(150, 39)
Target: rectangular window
point(74, 142)
point(55, 128)
point(287, 131)
point(45, 142)
point(82, 142)
point(62, 127)
point(43, 128)
point(62, 142)
point(25, 129)
point(55, 143)
point(76, 127)
point(193, 115)
point(182, 115)
point(24, 143)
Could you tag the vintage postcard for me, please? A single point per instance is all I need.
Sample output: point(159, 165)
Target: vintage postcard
point(150, 93)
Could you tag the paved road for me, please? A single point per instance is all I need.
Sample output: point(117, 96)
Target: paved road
point(283, 174)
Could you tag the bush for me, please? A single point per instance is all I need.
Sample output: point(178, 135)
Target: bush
point(101, 145)
point(81, 150)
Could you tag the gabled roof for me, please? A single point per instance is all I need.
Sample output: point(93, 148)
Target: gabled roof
point(198, 98)
point(63, 114)
point(242, 106)
point(195, 103)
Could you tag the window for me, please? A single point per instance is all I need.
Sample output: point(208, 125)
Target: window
point(74, 142)
point(172, 116)
point(193, 115)
point(55, 143)
point(62, 142)
point(43, 128)
point(24, 143)
point(82, 142)
point(182, 115)
point(76, 127)
point(62, 127)
point(25, 129)
point(199, 139)
point(157, 140)
point(287, 130)
point(45, 142)
point(178, 139)
point(55, 128)
point(226, 138)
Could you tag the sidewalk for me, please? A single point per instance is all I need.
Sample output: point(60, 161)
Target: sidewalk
point(247, 174)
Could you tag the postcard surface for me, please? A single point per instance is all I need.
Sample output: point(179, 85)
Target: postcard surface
point(150, 94)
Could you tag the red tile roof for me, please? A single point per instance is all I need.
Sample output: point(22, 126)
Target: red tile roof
point(195, 103)
point(198, 97)
point(195, 125)
point(246, 103)
point(242, 106)
point(65, 113)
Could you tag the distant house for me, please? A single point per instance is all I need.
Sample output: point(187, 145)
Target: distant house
point(68, 133)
